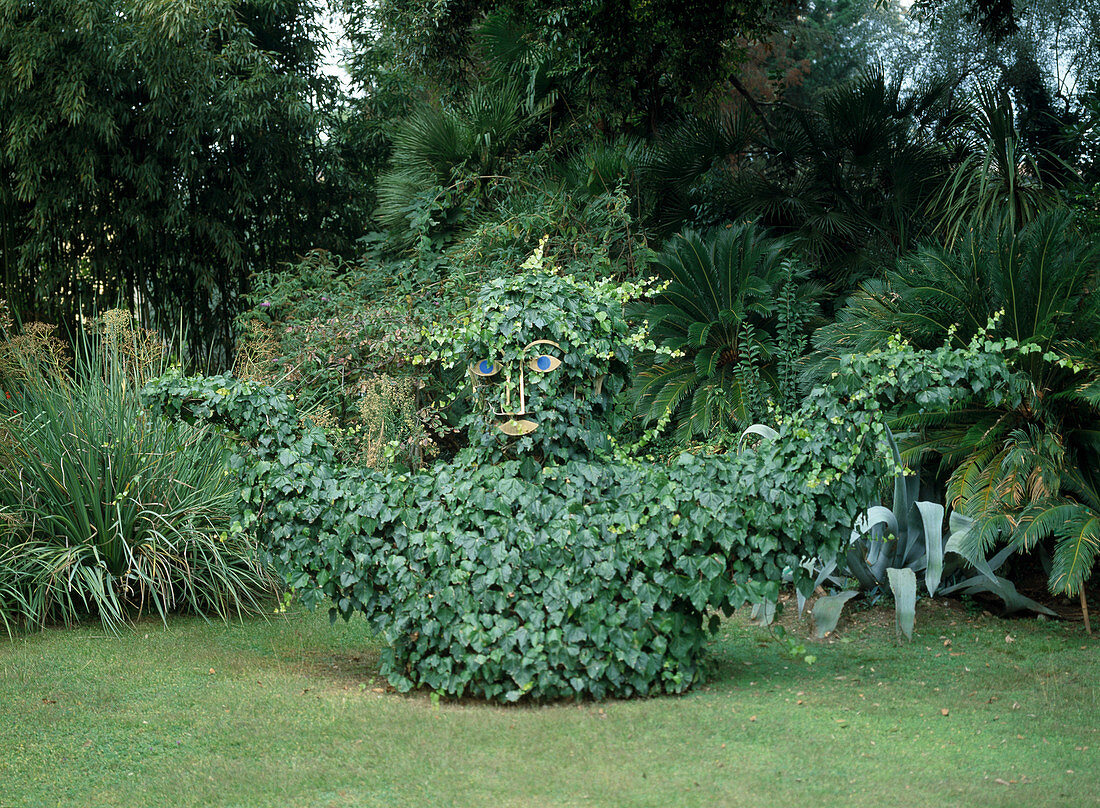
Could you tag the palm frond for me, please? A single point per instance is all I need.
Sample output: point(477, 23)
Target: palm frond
point(1075, 554)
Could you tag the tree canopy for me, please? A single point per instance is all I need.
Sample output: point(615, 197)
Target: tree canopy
point(155, 152)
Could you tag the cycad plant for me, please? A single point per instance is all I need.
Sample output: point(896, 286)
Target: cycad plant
point(108, 511)
point(1034, 488)
point(1036, 286)
point(731, 294)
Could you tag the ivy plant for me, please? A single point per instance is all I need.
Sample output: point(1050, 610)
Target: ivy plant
point(577, 329)
point(537, 567)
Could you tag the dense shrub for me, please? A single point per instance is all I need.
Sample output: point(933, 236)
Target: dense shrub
point(314, 331)
point(582, 578)
point(585, 225)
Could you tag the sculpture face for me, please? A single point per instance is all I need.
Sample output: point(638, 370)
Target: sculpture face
point(545, 355)
point(507, 399)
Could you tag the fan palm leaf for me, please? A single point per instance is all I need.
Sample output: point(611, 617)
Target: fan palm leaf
point(849, 180)
point(435, 143)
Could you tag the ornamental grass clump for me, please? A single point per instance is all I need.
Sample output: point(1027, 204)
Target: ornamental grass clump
point(106, 510)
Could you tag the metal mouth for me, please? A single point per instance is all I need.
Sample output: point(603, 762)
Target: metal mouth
point(515, 426)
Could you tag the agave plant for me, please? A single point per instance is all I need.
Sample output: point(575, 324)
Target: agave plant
point(730, 293)
point(1035, 285)
point(889, 546)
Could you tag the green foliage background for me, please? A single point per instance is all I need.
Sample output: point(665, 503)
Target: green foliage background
point(194, 162)
point(158, 153)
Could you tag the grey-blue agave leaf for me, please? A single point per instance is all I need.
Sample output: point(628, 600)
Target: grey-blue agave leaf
point(959, 527)
point(859, 568)
point(763, 430)
point(1003, 589)
point(827, 611)
point(999, 559)
point(875, 515)
point(987, 580)
point(932, 516)
point(910, 551)
point(763, 613)
point(827, 569)
point(903, 583)
point(809, 566)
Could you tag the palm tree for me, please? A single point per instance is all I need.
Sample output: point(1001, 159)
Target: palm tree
point(996, 179)
point(848, 181)
point(436, 143)
point(689, 165)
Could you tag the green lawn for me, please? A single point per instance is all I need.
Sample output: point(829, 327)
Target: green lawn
point(290, 712)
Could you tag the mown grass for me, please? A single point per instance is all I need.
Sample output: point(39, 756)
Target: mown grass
point(290, 712)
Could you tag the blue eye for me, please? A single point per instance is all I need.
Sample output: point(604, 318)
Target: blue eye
point(544, 363)
point(486, 367)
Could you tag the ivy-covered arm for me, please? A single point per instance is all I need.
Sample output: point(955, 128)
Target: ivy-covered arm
point(259, 414)
point(311, 516)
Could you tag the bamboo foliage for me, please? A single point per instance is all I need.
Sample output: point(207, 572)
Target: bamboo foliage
point(151, 152)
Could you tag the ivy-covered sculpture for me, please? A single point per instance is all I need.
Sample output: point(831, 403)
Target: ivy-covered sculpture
point(535, 564)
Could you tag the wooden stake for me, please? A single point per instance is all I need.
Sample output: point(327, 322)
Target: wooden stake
point(1085, 609)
